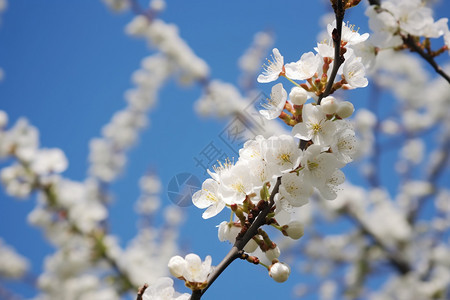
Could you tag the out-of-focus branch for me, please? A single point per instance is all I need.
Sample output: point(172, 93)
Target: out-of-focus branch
point(438, 167)
point(374, 178)
point(394, 258)
point(47, 190)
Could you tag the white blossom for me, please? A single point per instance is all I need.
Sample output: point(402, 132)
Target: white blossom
point(304, 68)
point(281, 154)
point(191, 268)
point(234, 181)
point(349, 35)
point(354, 72)
point(209, 197)
point(344, 144)
point(315, 126)
point(318, 166)
point(47, 161)
point(276, 102)
point(273, 68)
point(295, 189)
point(163, 289)
point(12, 264)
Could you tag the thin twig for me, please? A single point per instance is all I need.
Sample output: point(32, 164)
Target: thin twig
point(141, 292)
point(240, 243)
point(373, 177)
point(438, 168)
point(394, 258)
point(374, 2)
point(261, 218)
point(411, 43)
point(339, 12)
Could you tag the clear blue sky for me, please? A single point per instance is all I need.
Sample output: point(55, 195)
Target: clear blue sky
point(67, 65)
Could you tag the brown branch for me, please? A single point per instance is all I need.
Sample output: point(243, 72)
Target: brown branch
point(339, 12)
point(141, 292)
point(240, 243)
point(260, 220)
point(412, 45)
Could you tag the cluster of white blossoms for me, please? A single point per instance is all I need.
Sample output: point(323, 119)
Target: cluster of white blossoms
point(12, 264)
point(35, 166)
point(191, 269)
point(394, 20)
point(162, 289)
point(108, 153)
point(175, 58)
point(321, 142)
point(408, 242)
point(165, 38)
point(72, 216)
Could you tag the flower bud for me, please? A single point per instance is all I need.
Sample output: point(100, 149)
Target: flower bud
point(298, 96)
point(271, 254)
point(251, 246)
point(295, 230)
point(345, 109)
point(177, 265)
point(279, 271)
point(227, 232)
point(329, 105)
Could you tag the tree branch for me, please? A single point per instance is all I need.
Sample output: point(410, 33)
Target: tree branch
point(411, 43)
point(141, 292)
point(394, 258)
point(260, 220)
point(339, 12)
point(240, 243)
point(437, 169)
point(374, 2)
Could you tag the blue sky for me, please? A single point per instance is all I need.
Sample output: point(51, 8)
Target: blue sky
point(67, 65)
